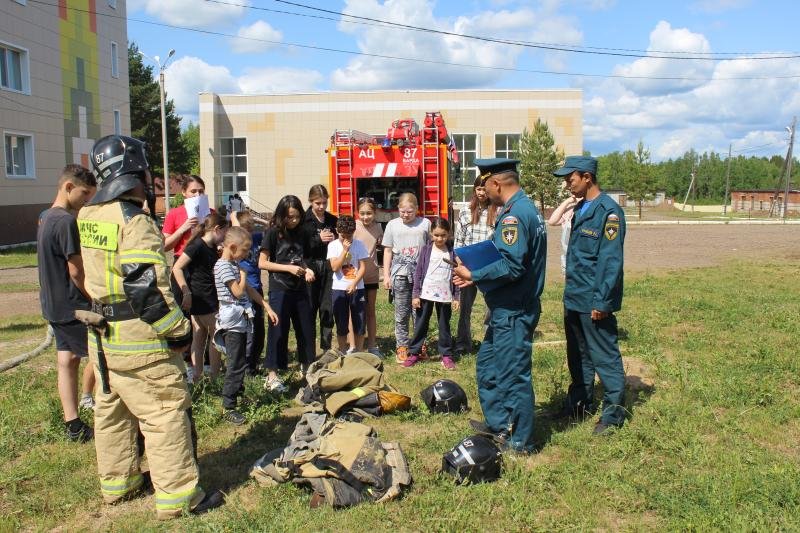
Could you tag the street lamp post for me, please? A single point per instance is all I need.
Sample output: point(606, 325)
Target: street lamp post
point(163, 123)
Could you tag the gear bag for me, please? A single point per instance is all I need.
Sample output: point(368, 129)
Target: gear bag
point(343, 462)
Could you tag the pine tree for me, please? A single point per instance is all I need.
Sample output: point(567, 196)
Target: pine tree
point(146, 117)
point(639, 180)
point(539, 157)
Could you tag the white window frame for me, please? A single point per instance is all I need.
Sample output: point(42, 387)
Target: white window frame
point(114, 59)
point(506, 151)
point(234, 175)
point(30, 155)
point(24, 68)
point(468, 174)
point(117, 122)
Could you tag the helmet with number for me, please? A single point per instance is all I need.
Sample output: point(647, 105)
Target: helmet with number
point(475, 459)
point(445, 396)
point(120, 164)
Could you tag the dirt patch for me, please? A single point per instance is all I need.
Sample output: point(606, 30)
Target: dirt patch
point(638, 375)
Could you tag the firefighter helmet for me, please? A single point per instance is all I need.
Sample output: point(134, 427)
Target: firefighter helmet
point(475, 459)
point(120, 164)
point(445, 396)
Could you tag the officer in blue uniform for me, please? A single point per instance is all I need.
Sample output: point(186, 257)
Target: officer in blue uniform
point(592, 294)
point(512, 287)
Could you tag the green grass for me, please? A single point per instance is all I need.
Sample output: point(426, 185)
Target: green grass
point(712, 446)
point(23, 256)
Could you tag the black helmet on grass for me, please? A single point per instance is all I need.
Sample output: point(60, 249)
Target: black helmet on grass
point(445, 396)
point(475, 459)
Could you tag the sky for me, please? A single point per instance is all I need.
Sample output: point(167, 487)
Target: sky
point(702, 74)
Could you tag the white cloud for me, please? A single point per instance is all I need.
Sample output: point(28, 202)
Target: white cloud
point(708, 115)
point(446, 53)
point(665, 39)
point(193, 13)
point(189, 76)
point(279, 80)
point(254, 39)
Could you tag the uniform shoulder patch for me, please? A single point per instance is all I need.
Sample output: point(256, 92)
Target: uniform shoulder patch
point(509, 219)
point(509, 233)
point(613, 217)
point(611, 229)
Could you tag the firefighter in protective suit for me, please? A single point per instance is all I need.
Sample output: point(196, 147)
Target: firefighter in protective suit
point(127, 278)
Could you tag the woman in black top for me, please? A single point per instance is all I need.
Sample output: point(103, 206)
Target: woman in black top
point(194, 274)
point(321, 226)
point(284, 254)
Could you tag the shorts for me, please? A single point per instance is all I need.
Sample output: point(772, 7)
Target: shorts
point(347, 307)
point(371, 286)
point(72, 337)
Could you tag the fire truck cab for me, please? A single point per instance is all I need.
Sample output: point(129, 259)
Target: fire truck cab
point(408, 158)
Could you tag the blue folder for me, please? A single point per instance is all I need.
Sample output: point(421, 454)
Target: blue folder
point(478, 255)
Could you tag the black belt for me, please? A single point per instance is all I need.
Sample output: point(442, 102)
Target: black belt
point(114, 312)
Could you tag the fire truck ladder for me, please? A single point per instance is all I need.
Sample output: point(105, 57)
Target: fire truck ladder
point(345, 141)
point(430, 166)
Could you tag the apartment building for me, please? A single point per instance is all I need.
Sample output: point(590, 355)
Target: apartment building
point(63, 84)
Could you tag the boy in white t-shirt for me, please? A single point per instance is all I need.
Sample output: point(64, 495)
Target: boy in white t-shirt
point(348, 258)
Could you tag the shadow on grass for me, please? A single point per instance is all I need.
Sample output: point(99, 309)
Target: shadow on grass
point(551, 417)
point(228, 468)
point(21, 327)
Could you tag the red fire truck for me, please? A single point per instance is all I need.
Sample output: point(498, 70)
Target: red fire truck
point(382, 167)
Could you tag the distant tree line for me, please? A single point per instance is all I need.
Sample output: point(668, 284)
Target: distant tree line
point(618, 169)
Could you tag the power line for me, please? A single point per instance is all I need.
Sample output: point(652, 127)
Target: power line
point(430, 61)
point(619, 52)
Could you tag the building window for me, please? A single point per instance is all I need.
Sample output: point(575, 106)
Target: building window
point(467, 146)
point(506, 145)
point(21, 2)
point(112, 4)
point(233, 165)
point(114, 60)
point(14, 68)
point(117, 122)
point(19, 155)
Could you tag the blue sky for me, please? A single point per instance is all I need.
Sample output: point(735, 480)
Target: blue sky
point(703, 104)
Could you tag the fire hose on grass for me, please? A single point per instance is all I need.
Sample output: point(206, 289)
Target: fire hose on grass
point(18, 360)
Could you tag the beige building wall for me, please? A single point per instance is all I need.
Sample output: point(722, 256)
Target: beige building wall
point(287, 134)
point(66, 100)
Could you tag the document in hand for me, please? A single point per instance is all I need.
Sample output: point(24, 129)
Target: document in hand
point(197, 207)
point(478, 255)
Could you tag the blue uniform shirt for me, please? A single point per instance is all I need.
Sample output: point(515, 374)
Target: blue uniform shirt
point(515, 282)
point(250, 263)
point(594, 257)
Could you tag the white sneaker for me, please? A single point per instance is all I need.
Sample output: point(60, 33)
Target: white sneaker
point(375, 351)
point(350, 350)
point(275, 385)
point(189, 375)
point(87, 402)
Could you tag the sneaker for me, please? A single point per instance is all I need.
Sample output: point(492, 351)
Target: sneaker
point(234, 417)
point(601, 428)
point(274, 385)
point(87, 402)
point(350, 350)
point(189, 375)
point(79, 432)
point(411, 360)
point(402, 354)
point(375, 351)
point(448, 363)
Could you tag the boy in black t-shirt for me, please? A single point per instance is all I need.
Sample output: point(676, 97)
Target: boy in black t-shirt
point(62, 292)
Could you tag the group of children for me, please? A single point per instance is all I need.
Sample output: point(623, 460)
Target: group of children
point(318, 265)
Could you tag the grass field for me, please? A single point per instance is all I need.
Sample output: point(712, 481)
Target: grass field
point(712, 445)
point(24, 256)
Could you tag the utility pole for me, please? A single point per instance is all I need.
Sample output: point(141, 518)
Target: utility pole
point(789, 169)
point(164, 138)
point(727, 181)
point(691, 188)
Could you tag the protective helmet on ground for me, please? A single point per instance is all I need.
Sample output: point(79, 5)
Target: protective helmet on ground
point(218, 340)
point(119, 163)
point(475, 459)
point(445, 396)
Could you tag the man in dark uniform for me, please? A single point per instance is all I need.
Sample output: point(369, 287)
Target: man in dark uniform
point(592, 293)
point(512, 287)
